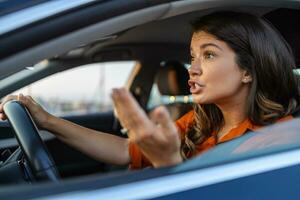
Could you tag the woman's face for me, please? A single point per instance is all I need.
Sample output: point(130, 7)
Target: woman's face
point(214, 75)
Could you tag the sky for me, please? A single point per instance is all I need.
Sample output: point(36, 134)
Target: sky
point(83, 82)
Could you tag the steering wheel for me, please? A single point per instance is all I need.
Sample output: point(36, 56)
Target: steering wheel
point(35, 151)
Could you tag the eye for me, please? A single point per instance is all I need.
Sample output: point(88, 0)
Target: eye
point(209, 55)
point(192, 58)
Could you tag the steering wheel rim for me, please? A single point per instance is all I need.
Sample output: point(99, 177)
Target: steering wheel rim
point(33, 147)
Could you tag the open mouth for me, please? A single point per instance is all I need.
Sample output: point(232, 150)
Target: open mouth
point(195, 87)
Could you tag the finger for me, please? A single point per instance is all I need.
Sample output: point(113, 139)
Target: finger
point(6, 99)
point(117, 110)
point(3, 116)
point(31, 100)
point(1, 107)
point(129, 112)
point(23, 99)
point(161, 116)
point(132, 116)
point(27, 101)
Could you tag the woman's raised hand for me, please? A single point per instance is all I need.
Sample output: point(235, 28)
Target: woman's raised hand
point(156, 135)
point(39, 115)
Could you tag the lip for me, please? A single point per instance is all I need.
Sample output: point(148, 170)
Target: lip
point(193, 82)
point(195, 86)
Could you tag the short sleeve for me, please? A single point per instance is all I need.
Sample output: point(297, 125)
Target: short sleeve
point(138, 160)
point(184, 123)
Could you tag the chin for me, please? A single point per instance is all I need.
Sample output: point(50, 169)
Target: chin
point(198, 99)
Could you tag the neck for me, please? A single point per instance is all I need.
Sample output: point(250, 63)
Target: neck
point(233, 115)
point(234, 110)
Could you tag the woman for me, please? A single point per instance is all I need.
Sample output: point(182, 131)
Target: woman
point(241, 78)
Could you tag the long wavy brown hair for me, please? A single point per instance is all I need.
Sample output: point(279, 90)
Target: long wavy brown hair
point(260, 50)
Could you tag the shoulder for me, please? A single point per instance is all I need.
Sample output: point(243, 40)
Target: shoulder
point(185, 121)
point(285, 118)
point(279, 120)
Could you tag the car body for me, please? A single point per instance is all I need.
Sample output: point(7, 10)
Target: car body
point(44, 38)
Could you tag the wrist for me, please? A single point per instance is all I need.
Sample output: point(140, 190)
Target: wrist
point(174, 160)
point(49, 122)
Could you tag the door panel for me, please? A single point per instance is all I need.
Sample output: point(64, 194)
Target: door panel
point(69, 161)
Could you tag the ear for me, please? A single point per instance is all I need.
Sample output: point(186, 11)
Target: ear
point(247, 78)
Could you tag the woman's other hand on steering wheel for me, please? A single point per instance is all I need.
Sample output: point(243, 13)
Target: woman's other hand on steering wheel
point(156, 135)
point(39, 115)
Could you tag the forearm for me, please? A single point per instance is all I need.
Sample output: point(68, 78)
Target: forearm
point(101, 146)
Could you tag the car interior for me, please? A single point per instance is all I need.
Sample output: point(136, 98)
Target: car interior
point(161, 59)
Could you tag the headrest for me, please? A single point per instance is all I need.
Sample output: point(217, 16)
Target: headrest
point(172, 79)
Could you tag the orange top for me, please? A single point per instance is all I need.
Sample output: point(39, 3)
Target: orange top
point(138, 160)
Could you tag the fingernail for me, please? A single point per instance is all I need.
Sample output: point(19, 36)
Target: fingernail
point(115, 90)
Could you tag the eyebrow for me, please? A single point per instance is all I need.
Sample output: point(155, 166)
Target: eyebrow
point(203, 46)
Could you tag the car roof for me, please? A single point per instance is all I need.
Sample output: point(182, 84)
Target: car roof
point(10, 6)
point(133, 32)
point(145, 25)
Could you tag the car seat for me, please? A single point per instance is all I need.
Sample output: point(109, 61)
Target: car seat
point(172, 82)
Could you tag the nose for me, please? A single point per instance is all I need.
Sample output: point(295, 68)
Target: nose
point(195, 69)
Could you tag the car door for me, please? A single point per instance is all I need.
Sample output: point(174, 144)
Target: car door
point(80, 95)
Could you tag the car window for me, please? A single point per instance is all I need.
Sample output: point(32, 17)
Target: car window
point(156, 98)
point(85, 89)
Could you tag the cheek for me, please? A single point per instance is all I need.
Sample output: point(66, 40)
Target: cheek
point(223, 80)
